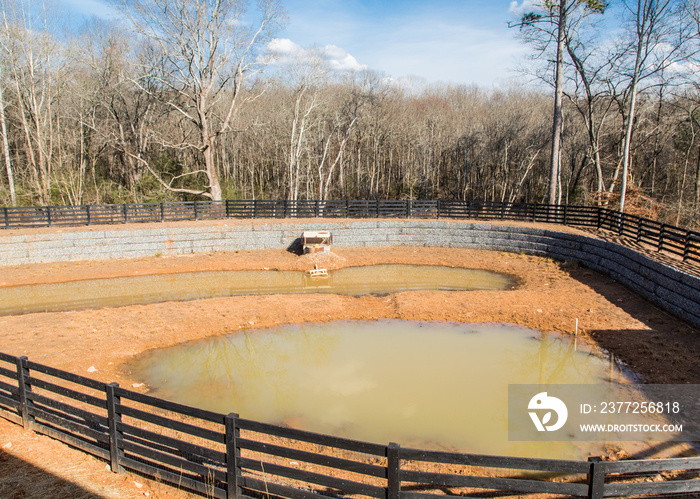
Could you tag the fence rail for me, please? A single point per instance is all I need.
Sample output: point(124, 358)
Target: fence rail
point(665, 238)
point(226, 456)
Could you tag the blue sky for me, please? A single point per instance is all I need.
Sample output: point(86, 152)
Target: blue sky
point(462, 42)
point(465, 41)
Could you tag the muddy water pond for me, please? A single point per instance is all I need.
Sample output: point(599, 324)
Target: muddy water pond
point(139, 290)
point(421, 384)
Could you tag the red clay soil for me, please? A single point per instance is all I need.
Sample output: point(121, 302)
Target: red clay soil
point(550, 296)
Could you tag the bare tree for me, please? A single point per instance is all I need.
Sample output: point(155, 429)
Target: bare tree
point(691, 9)
point(589, 92)
point(6, 145)
point(36, 64)
point(549, 24)
point(203, 53)
point(307, 75)
point(686, 141)
point(650, 48)
point(361, 91)
point(122, 117)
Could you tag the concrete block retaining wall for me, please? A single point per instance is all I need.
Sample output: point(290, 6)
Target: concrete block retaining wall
point(672, 289)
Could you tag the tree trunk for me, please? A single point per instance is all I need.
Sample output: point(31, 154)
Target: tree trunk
point(212, 174)
point(554, 165)
point(6, 149)
point(628, 134)
point(595, 152)
point(208, 141)
point(697, 183)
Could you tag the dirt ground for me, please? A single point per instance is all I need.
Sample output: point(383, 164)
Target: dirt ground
point(550, 296)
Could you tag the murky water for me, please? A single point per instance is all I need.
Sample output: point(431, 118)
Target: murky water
point(139, 290)
point(421, 384)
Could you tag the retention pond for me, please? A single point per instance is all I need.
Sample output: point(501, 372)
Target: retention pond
point(139, 290)
point(421, 384)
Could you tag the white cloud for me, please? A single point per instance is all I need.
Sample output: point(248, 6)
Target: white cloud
point(410, 84)
point(339, 60)
point(283, 51)
point(519, 9)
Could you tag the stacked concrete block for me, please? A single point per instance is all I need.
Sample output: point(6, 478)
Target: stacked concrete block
point(672, 289)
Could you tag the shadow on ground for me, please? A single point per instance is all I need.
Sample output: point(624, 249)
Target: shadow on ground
point(21, 479)
point(665, 351)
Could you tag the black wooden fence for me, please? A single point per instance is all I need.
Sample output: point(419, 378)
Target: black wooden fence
point(666, 238)
point(226, 456)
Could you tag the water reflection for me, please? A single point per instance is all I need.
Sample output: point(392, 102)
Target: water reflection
point(422, 384)
point(379, 279)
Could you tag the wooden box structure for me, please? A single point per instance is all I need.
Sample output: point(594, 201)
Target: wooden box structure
point(316, 241)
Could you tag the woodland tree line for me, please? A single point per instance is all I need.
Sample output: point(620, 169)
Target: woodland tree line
point(177, 99)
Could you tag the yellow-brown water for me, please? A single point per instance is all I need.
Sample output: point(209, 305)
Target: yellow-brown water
point(379, 279)
point(421, 384)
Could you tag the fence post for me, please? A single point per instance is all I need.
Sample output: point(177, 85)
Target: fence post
point(662, 230)
point(48, 216)
point(566, 214)
point(24, 388)
point(7, 218)
point(686, 248)
point(639, 230)
point(196, 215)
point(393, 471)
point(126, 216)
point(438, 208)
point(114, 419)
point(316, 208)
point(233, 454)
point(347, 208)
point(228, 211)
point(621, 225)
point(162, 212)
point(408, 208)
point(596, 478)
